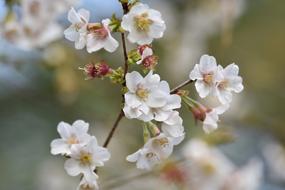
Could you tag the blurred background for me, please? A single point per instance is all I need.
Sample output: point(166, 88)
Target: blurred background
point(40, 85)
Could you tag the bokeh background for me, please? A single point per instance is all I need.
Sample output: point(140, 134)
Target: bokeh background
point(39, 87)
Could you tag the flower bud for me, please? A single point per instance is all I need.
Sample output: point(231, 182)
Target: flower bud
point(143, 47)
point(199, 111)
point(150, 62)
point(97, 70)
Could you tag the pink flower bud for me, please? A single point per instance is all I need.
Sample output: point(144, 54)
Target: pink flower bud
point(97, 70)
point(143, 47)
point(199, 112)
point(150, 61)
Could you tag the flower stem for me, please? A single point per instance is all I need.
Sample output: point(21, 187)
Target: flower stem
point(177, 88)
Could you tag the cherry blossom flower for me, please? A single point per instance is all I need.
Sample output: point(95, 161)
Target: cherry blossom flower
point(248, 177)
point(230, 82)
point(71, 135)
point(212, 118)
point(154, 151)
point(144, 94)
point(84, 159)
point(77, 32)
point(143, 24)
point(173, 101)
point(100, 37)
point(206, 75)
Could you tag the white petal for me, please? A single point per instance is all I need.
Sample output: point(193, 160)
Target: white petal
point(73, 17)
point(127, 22)
point(110, 44)
point(71, 34)
point(132, 80)
point(81, 126)
point(195, 73)
point(164, 86)
point(236, 84)
point(134, 157)
point(231, 70)
point(59, 146)
point(72, 167)
point(202, 88)
point(85, 14)
point(173, 102)
point(156, 99)
point(156, 30)
point(64, 129)
point(81, 42)
point(93, 44)
point(101, 155)
point(224, 96)
point(207, 64)
point(161, 115)
point(132, 100)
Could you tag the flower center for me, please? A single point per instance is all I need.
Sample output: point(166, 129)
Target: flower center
point(85, 158)
point(72, 140)
point(142, 22)
point(142, 93)
point(208, 78)
point(99, 31)
point(223, 84)
point(163, 142)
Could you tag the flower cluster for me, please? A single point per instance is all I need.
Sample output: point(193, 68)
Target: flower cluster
point(82, 150)
point(214, 80)
point(37, 26)
point(145, 97)
point(149, 99)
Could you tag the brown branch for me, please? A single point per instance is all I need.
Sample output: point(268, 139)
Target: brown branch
point(111, 133)
point(177, 88)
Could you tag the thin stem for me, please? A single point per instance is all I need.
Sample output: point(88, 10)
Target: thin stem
point(185, 83)
point(111, 133)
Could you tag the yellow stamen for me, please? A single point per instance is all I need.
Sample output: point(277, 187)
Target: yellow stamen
point(142, 22)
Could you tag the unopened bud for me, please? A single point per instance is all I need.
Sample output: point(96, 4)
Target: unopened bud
point(141, 48)
point(199, 112)
point(150, 62)
point(97, 70)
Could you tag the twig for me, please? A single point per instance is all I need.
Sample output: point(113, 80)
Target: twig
point(175, 90)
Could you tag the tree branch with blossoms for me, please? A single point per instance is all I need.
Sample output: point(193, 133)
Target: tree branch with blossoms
point(144, 97)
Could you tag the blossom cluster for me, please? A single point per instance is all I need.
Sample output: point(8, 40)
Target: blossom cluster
point(149, 99)
point(214, 80)
point(145, 97)
point(36, 26)
point(82, 150)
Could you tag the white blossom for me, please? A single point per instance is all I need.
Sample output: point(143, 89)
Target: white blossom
point(143, 24)
point(144, 94)
point(209, 167)
point(212, 118)
point(248, 177)
point(206, 75)
point(100, 37)
point(71, 135)
point(229, 82)
point(84, 159)
point(154, 151)
point(173, 101)
point(77, 31)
